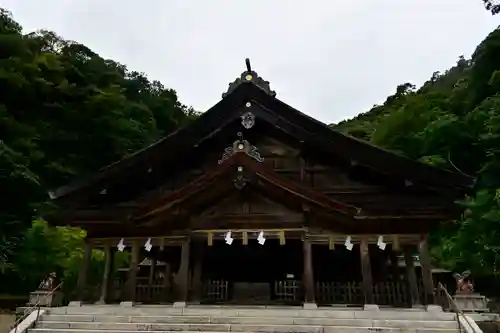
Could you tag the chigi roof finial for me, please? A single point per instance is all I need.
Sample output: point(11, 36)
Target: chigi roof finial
point(250, 76)
point(249, 67)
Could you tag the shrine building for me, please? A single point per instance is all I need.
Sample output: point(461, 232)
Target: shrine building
point(255, 202)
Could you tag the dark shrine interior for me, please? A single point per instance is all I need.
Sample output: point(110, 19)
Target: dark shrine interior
point(274, 262)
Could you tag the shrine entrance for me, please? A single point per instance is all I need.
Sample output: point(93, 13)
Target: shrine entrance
point(253, 273)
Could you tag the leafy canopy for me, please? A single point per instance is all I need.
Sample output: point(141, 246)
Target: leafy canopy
point(452, 121)
point(65, 112)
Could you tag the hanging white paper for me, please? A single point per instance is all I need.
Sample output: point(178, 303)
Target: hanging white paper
point(380, 243)
point(148, 245)
point(120, 245)
point(261, 240)
point(348, 244)
point(228, 238)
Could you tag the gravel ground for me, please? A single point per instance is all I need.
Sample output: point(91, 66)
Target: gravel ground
point(6, 321)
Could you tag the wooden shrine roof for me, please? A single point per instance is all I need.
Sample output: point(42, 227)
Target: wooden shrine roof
point(170, 211)
point(266, 107)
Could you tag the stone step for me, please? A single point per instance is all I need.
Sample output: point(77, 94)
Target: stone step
point(383, 314)
point(267, 329)
point(250, 320)
point(45, 330)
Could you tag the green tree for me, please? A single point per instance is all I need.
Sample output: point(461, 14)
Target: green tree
point(65, 112)
point(452, 121)
point(493, 7)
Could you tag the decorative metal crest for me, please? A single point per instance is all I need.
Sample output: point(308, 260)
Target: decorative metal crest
point(240, 181)
point(241, 146)
point(248, 120)
point(250, 76)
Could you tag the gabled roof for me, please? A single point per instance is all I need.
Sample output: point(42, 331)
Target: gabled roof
point(239, 172)
point(249, 169)
point(251, 88)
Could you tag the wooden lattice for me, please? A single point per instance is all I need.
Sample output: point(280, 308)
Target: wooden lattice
point(216, 291)
point(288, 291)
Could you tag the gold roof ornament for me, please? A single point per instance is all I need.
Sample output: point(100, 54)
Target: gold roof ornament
point(250, 76)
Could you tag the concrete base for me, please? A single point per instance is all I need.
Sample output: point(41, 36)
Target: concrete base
point(310, 306)
point(100, 302)
point(179, 304)
point(471, 302)
point(45, 298)
point(371, 307)
point(127, 304)
point(75, 303)
point(434, 308)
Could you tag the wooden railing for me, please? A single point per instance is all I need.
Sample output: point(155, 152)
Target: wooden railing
point(392, 293)
point(215, 291)
point(288, 291)
point(157, 292)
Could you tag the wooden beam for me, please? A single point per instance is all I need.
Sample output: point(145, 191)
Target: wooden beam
point(199, 221)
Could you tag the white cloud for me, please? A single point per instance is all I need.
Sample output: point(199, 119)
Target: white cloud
point(332, 59)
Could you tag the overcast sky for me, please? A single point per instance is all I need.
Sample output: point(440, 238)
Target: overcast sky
point(331, 59)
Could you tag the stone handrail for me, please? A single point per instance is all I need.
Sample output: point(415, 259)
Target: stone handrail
point(465, 323)
point(29, 318)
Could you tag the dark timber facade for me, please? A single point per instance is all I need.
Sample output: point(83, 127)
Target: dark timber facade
point(252, 165)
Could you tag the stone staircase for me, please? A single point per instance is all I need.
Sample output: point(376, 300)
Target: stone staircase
point(114, 319)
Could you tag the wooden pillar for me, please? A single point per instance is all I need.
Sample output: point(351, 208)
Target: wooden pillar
point(425, 264)
point(384, 269)
point(166, 281)
point(394, 265)
point(198, 272)
point(132, 273)
point(151, 277)
point(83, 273)
point(366, 271)
point(411, 277)
point(308, 274)
point(108, 267)
point(183, 274)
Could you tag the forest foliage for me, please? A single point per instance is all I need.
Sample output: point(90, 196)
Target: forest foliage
point(452, 121)
point(492, 5)
point(65, 112)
